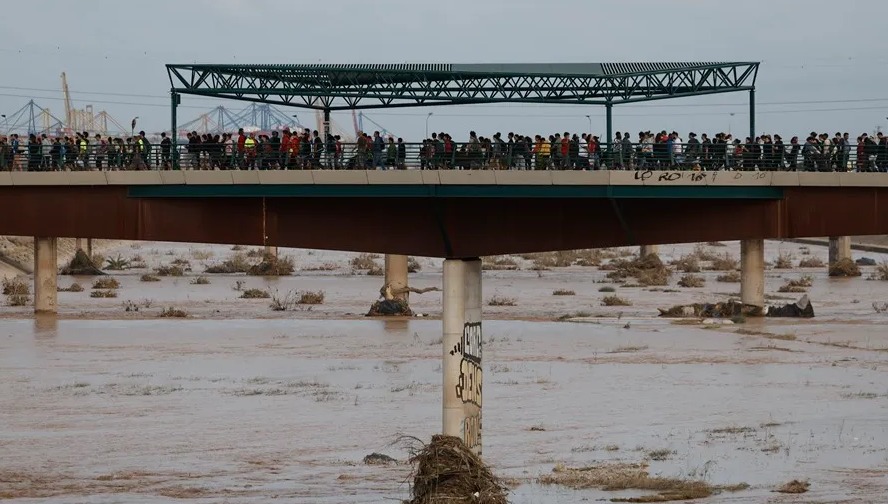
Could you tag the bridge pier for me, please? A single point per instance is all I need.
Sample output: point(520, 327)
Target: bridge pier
point(647, 250)
point(462, 351)
point(839, 248)
point(396, 276)
point(271, 251)
point(46, 271)
point(752, 272)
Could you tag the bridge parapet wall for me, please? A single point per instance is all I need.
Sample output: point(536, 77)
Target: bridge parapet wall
point(448, 177)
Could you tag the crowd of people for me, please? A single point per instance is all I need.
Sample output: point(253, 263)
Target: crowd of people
point(568, 151)
point(79, 151)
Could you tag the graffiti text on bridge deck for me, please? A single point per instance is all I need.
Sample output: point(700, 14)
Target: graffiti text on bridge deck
point(695, 176)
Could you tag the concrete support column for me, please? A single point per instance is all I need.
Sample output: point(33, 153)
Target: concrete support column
point(396, 275)
point(45, 275)
point(89, 248)
point(647, 250)
point(839, 248)
point(752, 272)
point(462, 351)
point(78, 244)
point(271, 250)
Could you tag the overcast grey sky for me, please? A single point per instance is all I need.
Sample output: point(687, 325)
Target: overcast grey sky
point(829, 54)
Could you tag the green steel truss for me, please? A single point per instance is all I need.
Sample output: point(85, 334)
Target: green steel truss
point(346, 87)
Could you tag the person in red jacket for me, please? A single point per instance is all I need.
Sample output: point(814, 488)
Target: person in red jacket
point(241, 139)
point(565, 150)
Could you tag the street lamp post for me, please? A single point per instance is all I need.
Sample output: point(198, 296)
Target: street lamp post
point(5, 124)
point(427, 124)
point(590, 123)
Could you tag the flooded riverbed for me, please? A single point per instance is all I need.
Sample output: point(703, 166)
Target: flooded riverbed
point(239, 403)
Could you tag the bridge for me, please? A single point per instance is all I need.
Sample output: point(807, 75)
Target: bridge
point(455, 214)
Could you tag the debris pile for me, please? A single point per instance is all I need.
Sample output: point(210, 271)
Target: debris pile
point(794, 487)
point(446, 471)
point(732, 308)
point(648, 270)
point(81, 264)
point(390, 308)
point(844, 268)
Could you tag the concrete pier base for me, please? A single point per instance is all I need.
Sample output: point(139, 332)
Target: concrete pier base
point(839, 248)
point(396, 276)
point(462, 351)
point(752, 272)
point(647, 250)
point(271, 250)
point(45, 275)
point(78, 244)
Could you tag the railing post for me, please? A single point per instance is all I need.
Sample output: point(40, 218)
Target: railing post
point(610, 134)
point(174, 135)
point(752, 114)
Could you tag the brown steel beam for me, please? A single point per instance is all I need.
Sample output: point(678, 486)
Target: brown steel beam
point(437, 226)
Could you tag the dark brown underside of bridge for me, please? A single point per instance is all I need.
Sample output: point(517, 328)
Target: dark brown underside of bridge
point(435, 226)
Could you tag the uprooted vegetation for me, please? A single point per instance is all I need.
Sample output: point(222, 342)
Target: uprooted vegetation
point(794, 487)
point(565, 258)
point(237, 263)
point(18, 300)
point(783, 261)
point(255, 294)
point(881, 272)
point(74, 287)
point(501, 301)
point(272, 265)
point(149, 278)
point(615, 301)
point(106, 283)
point(103, 294)
point(171, 270)
point(723, 262)
point(563, 292)
point(798, 285)
point(647, 271)
point(413, 265)
point(730, 277)
point(687, 264)
point(498, 263)
point(364, 261)
point(616, 476)
point(446, 471)
point(172, 312)
point(15, 287)
point(844, 267)
point(691, 281)
point(811, 262)
point(311, 297)
point(82, 264)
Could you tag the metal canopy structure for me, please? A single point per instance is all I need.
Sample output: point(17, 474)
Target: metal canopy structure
point(347, 87)
point(330, 87)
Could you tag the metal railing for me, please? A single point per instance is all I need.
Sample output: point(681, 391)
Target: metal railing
point(626, 156)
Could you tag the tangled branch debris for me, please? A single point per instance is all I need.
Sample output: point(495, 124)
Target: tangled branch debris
point(446, 471)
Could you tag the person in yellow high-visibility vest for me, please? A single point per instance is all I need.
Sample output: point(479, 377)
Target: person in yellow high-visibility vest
point(250, 150)
point(83, 148)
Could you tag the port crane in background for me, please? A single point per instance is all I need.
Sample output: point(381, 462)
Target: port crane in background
point(86, 119)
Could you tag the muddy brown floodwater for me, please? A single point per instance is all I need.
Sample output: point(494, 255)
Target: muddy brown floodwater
point(239, 403)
